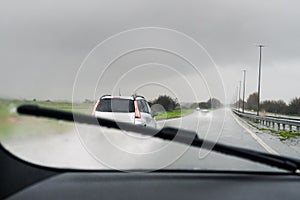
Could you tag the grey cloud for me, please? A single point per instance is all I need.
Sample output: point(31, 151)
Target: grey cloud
point(44, 42)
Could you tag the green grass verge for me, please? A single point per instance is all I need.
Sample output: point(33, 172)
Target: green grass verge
point(173, 114)
point(7, 106)
point(284, 135)
point(11, 123)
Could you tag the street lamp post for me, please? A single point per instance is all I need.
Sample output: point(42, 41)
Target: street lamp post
point(244, 89)
point(259, 77)
point(240, 85)
point(237, 96)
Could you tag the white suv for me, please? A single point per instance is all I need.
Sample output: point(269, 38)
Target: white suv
point(133, 109)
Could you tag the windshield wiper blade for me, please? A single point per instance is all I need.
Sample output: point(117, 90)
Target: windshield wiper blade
point(167, 133)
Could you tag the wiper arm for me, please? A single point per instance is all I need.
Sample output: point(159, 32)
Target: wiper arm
point(167, 133)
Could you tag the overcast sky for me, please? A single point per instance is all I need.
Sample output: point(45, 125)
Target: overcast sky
point(43, 44)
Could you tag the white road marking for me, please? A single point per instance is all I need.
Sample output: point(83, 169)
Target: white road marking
point(260, 141)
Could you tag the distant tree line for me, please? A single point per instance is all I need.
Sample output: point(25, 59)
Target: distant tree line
point(273, 106)
point(170, 104)
point(210, 103)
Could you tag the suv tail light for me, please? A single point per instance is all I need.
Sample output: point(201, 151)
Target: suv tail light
point(95, 107)
point(137, 110)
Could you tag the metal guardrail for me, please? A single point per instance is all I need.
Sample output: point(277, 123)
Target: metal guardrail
point(272, 121)
point(274, 116)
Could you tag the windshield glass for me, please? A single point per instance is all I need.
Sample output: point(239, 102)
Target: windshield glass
point(228, 71)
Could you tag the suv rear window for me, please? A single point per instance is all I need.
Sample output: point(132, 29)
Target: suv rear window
point(115, 105)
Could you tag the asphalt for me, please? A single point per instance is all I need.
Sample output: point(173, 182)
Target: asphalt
point(90, 147)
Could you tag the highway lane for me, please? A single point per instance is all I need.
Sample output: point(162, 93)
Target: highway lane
point(101, 148)
point(237, 132)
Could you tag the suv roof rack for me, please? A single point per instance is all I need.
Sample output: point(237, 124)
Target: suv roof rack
point(106, 95)
point(135, 96)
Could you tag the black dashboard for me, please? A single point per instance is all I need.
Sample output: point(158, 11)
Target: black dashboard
point(164, 185)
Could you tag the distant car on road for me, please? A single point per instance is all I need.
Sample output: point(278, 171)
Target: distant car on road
point(130, 109)
point(204, 110)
